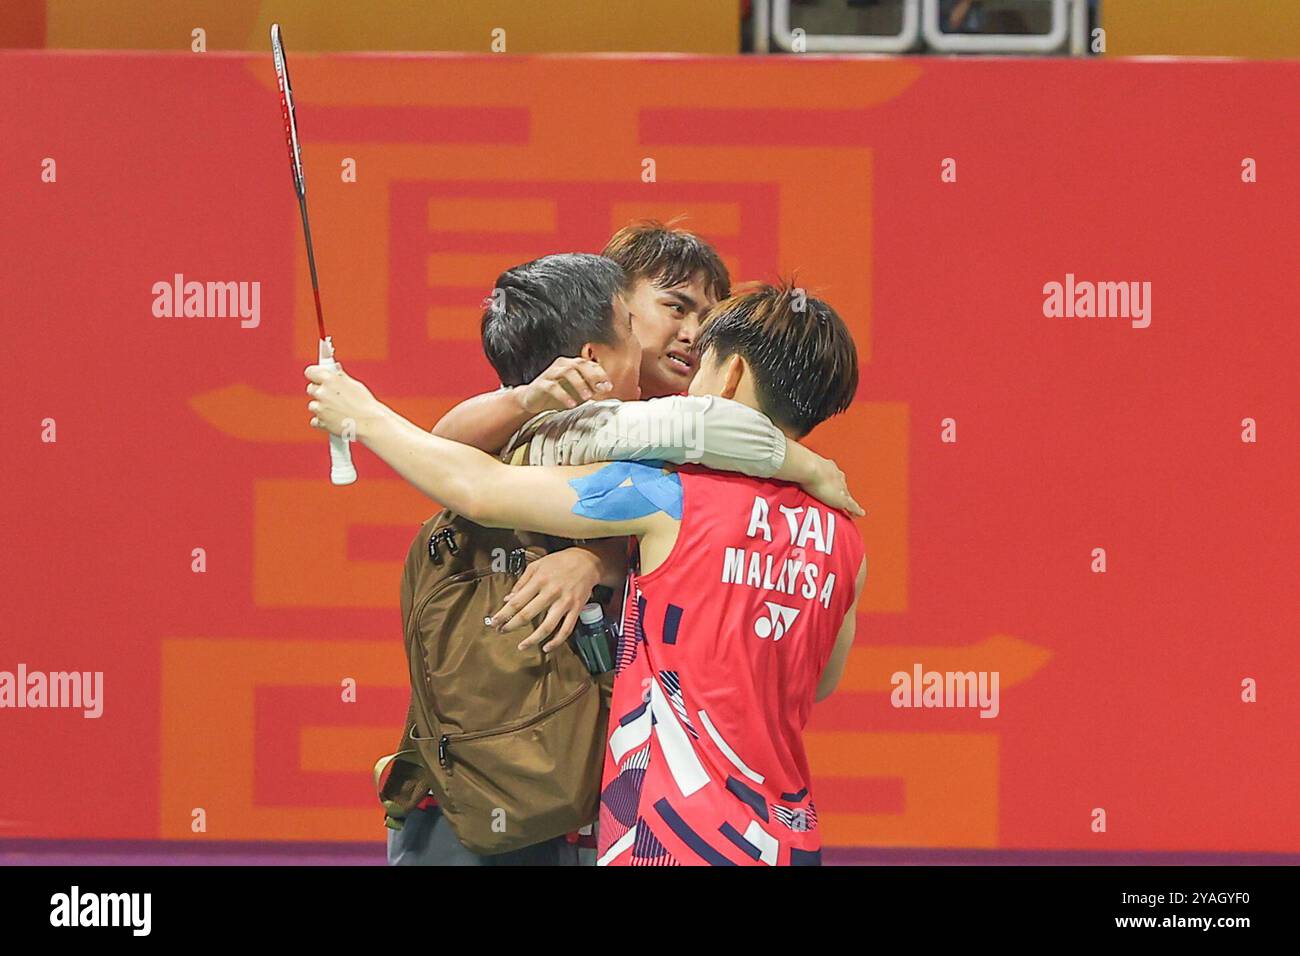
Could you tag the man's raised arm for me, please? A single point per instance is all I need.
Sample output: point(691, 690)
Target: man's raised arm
point(487, 421)
point(574, 502)
point(715, 432)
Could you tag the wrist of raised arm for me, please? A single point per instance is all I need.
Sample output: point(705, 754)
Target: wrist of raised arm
point(521, 400)
point(381, 424)
point(801, 464)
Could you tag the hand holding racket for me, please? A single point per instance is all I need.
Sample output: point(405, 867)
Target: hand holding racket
point(340, 404)
point(341, 470)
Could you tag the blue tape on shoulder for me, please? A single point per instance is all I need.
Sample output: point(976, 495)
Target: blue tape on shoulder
point(628, 489)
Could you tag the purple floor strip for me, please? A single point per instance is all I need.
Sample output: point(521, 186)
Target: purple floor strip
point(193, 853)
point(910, 856)
point(187, 853)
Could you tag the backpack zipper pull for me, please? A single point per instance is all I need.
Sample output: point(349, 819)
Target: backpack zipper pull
point(450, 537)
point(433, 548)
point(442, 751)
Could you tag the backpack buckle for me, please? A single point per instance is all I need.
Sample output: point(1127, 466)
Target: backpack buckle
point(446, 536)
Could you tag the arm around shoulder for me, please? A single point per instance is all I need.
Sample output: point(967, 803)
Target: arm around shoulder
point(485, 421)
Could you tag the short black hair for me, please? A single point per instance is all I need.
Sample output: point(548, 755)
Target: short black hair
point(548, 308)
point(667, 256)
point(802, 355)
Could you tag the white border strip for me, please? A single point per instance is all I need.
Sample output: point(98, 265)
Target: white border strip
point(1048, 42)
point(904, 40)
point(727, 751)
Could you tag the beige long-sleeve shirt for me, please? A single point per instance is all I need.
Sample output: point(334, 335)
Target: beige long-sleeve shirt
point(706, 430)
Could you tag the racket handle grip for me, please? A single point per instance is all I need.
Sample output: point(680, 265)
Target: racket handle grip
point(342, 471)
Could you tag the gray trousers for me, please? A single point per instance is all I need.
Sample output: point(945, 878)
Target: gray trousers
point(427, 839)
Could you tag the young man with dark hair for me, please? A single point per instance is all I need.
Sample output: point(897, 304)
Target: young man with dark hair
point(558, 306)
point(674, 278)
point(741, 612)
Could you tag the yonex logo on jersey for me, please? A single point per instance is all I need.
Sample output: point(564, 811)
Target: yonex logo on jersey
point(778, 621)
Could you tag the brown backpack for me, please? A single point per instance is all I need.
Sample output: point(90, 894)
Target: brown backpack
point(510, 742)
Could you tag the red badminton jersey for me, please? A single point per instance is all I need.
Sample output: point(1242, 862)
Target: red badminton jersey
point(719, 657)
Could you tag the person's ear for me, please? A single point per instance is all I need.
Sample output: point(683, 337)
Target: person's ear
point(733, 372)
point(588, 351)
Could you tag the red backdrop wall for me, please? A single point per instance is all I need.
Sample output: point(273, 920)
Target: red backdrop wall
point(222, 690)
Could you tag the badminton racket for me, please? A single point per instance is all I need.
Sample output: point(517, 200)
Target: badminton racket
point(342, 471)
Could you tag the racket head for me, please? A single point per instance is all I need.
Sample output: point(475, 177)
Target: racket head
point(287, 110)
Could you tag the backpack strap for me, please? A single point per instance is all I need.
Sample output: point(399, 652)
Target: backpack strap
point(404, 788)
point(409, 781)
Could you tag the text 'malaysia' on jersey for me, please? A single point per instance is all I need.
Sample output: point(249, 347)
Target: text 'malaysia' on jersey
point(807, 532)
